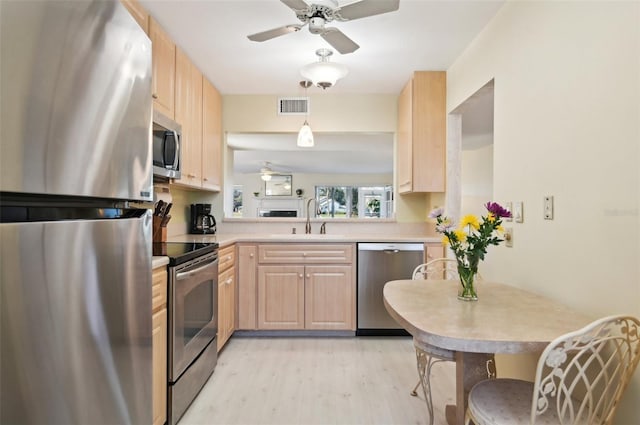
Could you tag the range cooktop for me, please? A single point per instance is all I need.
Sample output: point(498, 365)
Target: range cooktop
point(181, 252)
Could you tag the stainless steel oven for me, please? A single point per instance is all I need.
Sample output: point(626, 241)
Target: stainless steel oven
point(193, 322)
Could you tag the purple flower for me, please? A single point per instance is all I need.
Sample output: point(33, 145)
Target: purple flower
point(436, 213)
point(497, 210)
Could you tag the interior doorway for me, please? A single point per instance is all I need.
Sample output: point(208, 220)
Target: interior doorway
point(470, 154)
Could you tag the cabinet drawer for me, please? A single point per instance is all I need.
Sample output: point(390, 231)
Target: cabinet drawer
point(227, 277)
point(158, 288)
point(305, 253)
point(227, 257)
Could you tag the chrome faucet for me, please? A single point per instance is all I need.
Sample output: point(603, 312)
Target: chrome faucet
point(307, 227)
point(323, 228)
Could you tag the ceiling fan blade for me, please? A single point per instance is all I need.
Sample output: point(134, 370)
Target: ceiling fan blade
point(365, 8)
point(273, 33)
point(339, 41)
point(296, 5)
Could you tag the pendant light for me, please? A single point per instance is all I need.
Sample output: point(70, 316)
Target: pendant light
point(305, 135)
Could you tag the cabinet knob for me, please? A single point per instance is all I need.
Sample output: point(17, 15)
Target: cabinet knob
point(308, 275)
point(229, 281)
point(155, 96)
point(304, 254)
point(205, 179)
point(300, 276)
point(251, 255)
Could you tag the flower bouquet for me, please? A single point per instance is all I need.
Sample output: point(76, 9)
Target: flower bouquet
point(469, 241)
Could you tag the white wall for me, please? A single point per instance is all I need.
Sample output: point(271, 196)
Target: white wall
point(567, 124)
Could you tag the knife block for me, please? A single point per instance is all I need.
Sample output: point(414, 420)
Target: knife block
point(159, 232)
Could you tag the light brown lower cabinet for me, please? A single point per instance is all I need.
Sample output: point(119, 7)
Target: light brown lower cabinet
point(159, 344)
point(226, 306)
point(299, 293)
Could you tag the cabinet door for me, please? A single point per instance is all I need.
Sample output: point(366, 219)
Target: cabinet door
point(329, 297)
point(189, 115)
point(164, 69)
point(281, 297)
point(211, 136)
point(159, 365)
point(226, 308)
point(230, 298)
point(434, 251)
point(404, 164)
point(247, 286)
point(429, 131)
point(138, 13)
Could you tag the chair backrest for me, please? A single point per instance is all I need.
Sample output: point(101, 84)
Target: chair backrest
point(440, 268)
point(583, 374)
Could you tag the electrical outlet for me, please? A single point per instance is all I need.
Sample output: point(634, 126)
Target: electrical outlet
point(517, 212)
point(508, 237)
point(548, 207)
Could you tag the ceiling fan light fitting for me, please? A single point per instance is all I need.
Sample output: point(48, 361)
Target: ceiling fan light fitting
point(324, 74)
point(265, 177)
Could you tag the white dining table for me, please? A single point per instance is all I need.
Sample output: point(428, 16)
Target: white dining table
point(505, 319)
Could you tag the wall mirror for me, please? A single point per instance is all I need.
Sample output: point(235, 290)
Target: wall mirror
point(278, 185)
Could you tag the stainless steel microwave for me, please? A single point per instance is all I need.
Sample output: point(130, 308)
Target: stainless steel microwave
point(167, 137)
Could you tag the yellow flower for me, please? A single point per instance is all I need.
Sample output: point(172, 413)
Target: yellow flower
point(500, 229)
point(491, 217)
point(470, 220)
point(445, 240)
point(461, 236)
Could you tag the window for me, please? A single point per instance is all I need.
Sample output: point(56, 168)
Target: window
point(237, 201)
point(353, 201)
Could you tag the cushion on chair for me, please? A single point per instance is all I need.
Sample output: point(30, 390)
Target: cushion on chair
point(505, 401)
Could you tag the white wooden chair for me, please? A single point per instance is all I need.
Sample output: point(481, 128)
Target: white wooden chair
point(427, 355)
point(580, 379)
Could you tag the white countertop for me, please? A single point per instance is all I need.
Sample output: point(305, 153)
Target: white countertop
point(231, 238)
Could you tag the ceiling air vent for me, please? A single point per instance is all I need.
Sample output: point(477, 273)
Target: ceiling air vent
point(293, 106)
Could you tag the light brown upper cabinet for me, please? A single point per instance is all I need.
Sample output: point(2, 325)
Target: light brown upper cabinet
point(138, 12)
point(189, 115)
point(211, 136)
point(422, 133)
point(164, 70)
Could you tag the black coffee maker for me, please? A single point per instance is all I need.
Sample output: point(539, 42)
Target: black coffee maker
point(202, 222)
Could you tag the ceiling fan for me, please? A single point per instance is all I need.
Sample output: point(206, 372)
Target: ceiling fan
point(268, 170)
point(321, 12)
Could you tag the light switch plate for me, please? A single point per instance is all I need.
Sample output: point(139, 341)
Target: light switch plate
point(517, 212)
point(548, 208)
point(508, 207)
point(508, 237)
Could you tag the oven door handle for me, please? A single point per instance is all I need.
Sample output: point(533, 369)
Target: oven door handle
point(191, 273)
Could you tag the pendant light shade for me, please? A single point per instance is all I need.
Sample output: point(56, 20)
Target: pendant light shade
point(324, 74)
point(305, 136)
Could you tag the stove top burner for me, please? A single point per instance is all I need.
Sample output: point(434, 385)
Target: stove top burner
point(181, 252)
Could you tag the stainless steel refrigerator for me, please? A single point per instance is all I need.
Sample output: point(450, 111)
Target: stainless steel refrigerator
point(75, 234)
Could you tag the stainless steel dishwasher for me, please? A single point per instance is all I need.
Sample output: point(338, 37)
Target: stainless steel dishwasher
point(379, 263)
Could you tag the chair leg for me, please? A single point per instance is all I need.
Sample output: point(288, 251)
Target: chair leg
point(414, 392)
point(424, 363)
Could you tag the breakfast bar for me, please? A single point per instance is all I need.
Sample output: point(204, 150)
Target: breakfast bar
point(505, 319)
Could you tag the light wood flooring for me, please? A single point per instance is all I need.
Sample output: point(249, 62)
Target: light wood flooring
point(349, 380)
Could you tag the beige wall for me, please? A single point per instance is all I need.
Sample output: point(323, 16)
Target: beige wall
point(567, 124)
